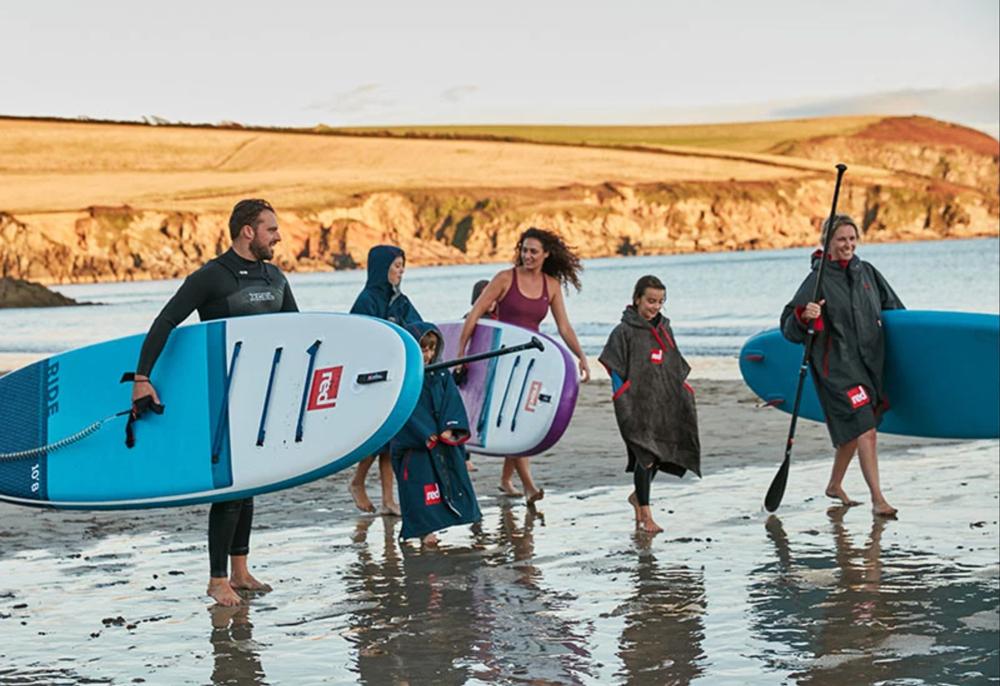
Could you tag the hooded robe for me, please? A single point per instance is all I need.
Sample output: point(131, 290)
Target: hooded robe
point(379, 298)
point(435, 491)
point(848, 355)
point(654, 404)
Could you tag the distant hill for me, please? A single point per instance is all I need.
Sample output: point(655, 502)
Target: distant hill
point(95, 201)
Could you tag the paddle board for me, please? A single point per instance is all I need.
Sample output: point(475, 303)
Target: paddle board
point(518, 404)
point(253, 404)
point(942, 374)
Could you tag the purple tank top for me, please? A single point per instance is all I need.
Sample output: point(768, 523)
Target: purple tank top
point(527, 313)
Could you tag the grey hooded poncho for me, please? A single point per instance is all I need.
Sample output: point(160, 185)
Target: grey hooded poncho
point(848, 355)
point(654, 405)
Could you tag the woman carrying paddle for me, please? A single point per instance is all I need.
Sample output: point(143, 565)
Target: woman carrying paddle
point(524, 295)
point(654, 404)
point(848, 355)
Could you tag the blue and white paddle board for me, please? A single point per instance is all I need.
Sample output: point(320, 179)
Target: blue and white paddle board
point(253, 404)
point(942, 374)
point(518, 404)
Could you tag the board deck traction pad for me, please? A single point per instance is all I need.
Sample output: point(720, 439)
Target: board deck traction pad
point(27, 396)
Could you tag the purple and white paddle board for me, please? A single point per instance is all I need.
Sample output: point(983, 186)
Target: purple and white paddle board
point(518, 404)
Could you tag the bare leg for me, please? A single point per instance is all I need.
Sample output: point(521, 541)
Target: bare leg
point(357, 485)
point(531, 490)
point(506, 474)
point(841, 460)
point(389, 505)
point(868, 457)
point(241, 577)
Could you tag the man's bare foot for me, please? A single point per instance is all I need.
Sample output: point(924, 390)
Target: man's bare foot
point(634, 502)
point(430, 540)
point(884, 509)
point(507, 488)
point(471, 467)
point(220, 590)
point(360, 497)
point(839, 494)
point(247, 582)
point(390, 510)
point(535, 496)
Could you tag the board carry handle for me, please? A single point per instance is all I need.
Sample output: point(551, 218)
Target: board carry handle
point(533, 344)
point(267, 396)
point(312, 350)
point(520, 396)
point(224, 410)
point(506, 390)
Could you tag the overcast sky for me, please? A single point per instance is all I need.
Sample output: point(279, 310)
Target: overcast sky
point(379, 62)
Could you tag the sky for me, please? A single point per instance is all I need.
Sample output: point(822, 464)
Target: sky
point(358, 63)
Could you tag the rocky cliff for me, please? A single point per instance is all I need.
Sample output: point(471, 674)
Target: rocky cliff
point(923, 189)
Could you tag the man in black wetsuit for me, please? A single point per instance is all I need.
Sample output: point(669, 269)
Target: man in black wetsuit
point(238, 282)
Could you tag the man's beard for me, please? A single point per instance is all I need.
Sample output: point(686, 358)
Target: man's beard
point(262, 251)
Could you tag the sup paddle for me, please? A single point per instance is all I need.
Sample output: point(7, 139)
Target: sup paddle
point(777, 489)
point(533, 344)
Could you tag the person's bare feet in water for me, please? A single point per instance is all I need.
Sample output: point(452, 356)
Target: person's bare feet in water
point(884, 509)
point(360, 497)
point(430, 540)
point(648, 526)
point(535, 496)
point(390, 509)
point(507, 488)
point(247, 582)
point(634, 502)
point(222, 592)
point(838, 493)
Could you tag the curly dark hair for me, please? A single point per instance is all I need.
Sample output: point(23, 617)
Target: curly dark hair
point(562, 262)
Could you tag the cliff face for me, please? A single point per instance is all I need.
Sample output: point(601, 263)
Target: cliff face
point(446, 227)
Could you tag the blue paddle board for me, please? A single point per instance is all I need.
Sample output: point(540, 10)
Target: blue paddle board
point(942, 374)
point(253, 404)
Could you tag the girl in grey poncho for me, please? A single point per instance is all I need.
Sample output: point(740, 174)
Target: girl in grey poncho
point(654, 404)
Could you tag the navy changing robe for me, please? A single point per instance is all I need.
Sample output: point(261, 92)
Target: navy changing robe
point(379, 298)
point(848, 355)
point(654, 404)
point(435, 491)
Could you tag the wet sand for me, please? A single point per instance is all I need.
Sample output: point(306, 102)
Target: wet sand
point(566, 593)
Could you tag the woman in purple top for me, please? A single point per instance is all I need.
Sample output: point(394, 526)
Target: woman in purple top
point(524, 295)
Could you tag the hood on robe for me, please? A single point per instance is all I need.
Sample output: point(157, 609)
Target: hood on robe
point(420, 329)
point(380, 258)
point(631, 317)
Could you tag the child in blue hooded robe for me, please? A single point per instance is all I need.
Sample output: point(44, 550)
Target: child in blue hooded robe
point(382, 298)
point(435, 491)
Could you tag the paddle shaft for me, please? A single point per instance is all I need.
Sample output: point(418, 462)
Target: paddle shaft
point(534, 343)
point(777, 489)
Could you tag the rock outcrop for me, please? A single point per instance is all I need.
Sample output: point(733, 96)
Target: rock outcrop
point(18, 293)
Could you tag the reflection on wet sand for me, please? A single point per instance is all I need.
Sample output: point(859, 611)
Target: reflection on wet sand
point(661, 642)
point(866, 615)
point(237, 657)
point(454, 613)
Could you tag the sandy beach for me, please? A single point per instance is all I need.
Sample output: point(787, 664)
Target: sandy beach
point(565, 593)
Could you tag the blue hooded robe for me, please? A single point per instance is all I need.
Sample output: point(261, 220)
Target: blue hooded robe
point(380, 298)
point(435, 491)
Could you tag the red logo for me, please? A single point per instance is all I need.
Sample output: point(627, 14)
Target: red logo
point(432, 494)
point(325, 386)
point(536, 388)
point(858, 397)
point(656, 356)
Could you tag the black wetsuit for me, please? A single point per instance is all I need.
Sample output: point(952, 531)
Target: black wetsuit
point(227, 286)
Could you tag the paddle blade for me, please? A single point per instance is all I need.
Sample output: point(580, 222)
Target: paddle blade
point(772, 501)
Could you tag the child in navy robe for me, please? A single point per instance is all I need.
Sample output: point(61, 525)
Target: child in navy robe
point(435, 491)
point(382, 298)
